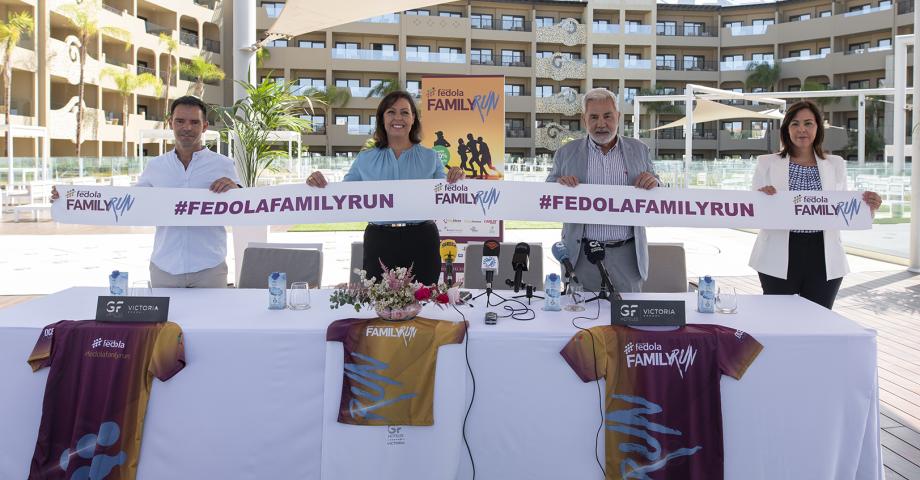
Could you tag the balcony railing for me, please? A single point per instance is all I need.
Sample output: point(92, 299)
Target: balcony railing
point(745, 134)
point(498, 24)
point(435, 57)
point(638, 29)
point(499, 60)
point(639, 64)
point(358, 129)
point(678, 134)
point(683, 30)
point(155, 29)
point(605, 62)
point(115, 10)
point(857, 51)
point(305, 89)
point(190, 39)
point(211, 45)
point(605, 28)
point(733, 65)
point(317, 130)
point(517, 132)
point(142, 69)
point(867, 10)
point(696, 66)
point(749, 30)
point(813, 56)
point(364, 54)
point(389, 18)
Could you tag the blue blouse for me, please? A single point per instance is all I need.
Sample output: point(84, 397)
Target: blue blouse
point(416, 163)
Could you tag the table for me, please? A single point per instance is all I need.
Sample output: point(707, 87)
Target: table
point(249, 405)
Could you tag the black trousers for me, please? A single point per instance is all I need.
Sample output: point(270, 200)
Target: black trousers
point(806, 275)
point(411, 245)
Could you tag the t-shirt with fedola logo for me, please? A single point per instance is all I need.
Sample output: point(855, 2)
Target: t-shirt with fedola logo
point(96, 395)
point(389, 368)
point(663, 409)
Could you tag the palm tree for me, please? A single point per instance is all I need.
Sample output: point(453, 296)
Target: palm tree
point(170, 45)
point(11, 31)
point(267, 107)
point(127, 83)
point(202, 71)
point(84, 16)
point(263, 54)
point(763, 75)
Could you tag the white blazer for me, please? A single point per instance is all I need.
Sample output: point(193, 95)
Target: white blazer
point(771, 250)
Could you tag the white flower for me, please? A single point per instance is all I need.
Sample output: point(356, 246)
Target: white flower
point(453, 294)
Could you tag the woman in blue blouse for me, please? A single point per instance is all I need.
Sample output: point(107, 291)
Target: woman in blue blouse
point(810, 263)
point(398, 155)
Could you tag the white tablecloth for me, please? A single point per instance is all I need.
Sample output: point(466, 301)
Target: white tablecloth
point(249, 405)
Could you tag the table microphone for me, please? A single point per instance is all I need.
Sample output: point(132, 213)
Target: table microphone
point(562, 256)
point(448, 251)
point(519, 263)
point(490, 251)
point(596, 254)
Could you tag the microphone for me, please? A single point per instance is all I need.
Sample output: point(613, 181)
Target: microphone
point(448, 252)
point(596, 253)
point(519, 263)
point(562, 256)
point(490, 251)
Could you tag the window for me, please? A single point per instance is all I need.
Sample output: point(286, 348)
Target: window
point(278, 42)
point(694, 62)
point(859, 8)
point(318, 122)
point(666, 91)
point(142, 110)
point(732, 24)
point(574, 125)
point(418, 13)
point(449, 14)
point(762, 57)
point(448, 50)
point(824, 13)
point(543, 91)
point(481, 20)
point(694, 29)
point(759, 129)
point(514, 90)
point(417, 52)
point(413, 86)
point(800, 53)
point(732, 58)
point(632, 57)
point(385, 47)
point(734, 127)
point(666, 62)
point(481, 56)
point(800, 18)
point(278, 80)
point(885, 42)
point(858, 47)
point(853, 123)
point(600, 22)
point(668, 28)
point(273, 9)
point(857, 84)
point(633, 26)
point(306, 83)
point(544, 22)
point(514, 127)
point(763, 22)
point(629, 93)
point(347, 119)
point(311, 44)
point(824, 50)
point(347, 45)
point(570, 55)
point(347, 83)
point(884, 3)
point(544, 54)
point(512, 58)
point(512, 22)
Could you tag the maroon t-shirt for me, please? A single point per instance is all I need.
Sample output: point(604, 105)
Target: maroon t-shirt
point(96, 395)
point(663, 413)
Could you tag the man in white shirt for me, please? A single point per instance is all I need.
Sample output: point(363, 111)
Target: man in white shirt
point(185, 257)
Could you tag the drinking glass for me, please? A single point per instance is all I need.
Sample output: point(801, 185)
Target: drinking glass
point(726, 300)
point(299, 296)
point(575, 300)
point(141, 288)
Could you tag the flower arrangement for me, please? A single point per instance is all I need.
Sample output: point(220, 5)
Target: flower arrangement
point(397, 296)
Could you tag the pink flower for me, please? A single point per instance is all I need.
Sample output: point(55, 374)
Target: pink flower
point(453, 294)
point(442, 298)
point(423, 293)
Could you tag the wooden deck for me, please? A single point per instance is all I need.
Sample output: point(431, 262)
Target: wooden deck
point(888, 302)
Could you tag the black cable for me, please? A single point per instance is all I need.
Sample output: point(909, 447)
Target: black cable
point(473, 396)
point(516, 313)
point(597, 381)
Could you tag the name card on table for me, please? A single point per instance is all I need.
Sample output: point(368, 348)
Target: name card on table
point(648, 313)
point(132, 309)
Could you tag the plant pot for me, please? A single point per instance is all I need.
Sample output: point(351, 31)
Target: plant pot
point(399, 314)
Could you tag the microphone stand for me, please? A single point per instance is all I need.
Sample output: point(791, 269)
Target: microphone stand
point(528, 289)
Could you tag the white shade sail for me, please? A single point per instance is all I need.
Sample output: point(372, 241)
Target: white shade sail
point(708, 111)
point(304, 16)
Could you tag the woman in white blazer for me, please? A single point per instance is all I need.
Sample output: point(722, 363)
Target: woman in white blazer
point(810, 263)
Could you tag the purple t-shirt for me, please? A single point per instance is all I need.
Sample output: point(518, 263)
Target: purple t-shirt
point(663, 409)
point(96, 395)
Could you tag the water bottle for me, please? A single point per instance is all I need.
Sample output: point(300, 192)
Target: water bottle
point(118, 283)
point(706, 295)
point(277, 289)
point(552, 286)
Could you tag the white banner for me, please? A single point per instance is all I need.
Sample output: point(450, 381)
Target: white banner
point(410, 200)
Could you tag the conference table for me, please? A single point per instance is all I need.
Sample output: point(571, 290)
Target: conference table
point(250, 403)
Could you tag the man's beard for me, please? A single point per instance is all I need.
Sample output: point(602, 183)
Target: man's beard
point(603, 140)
